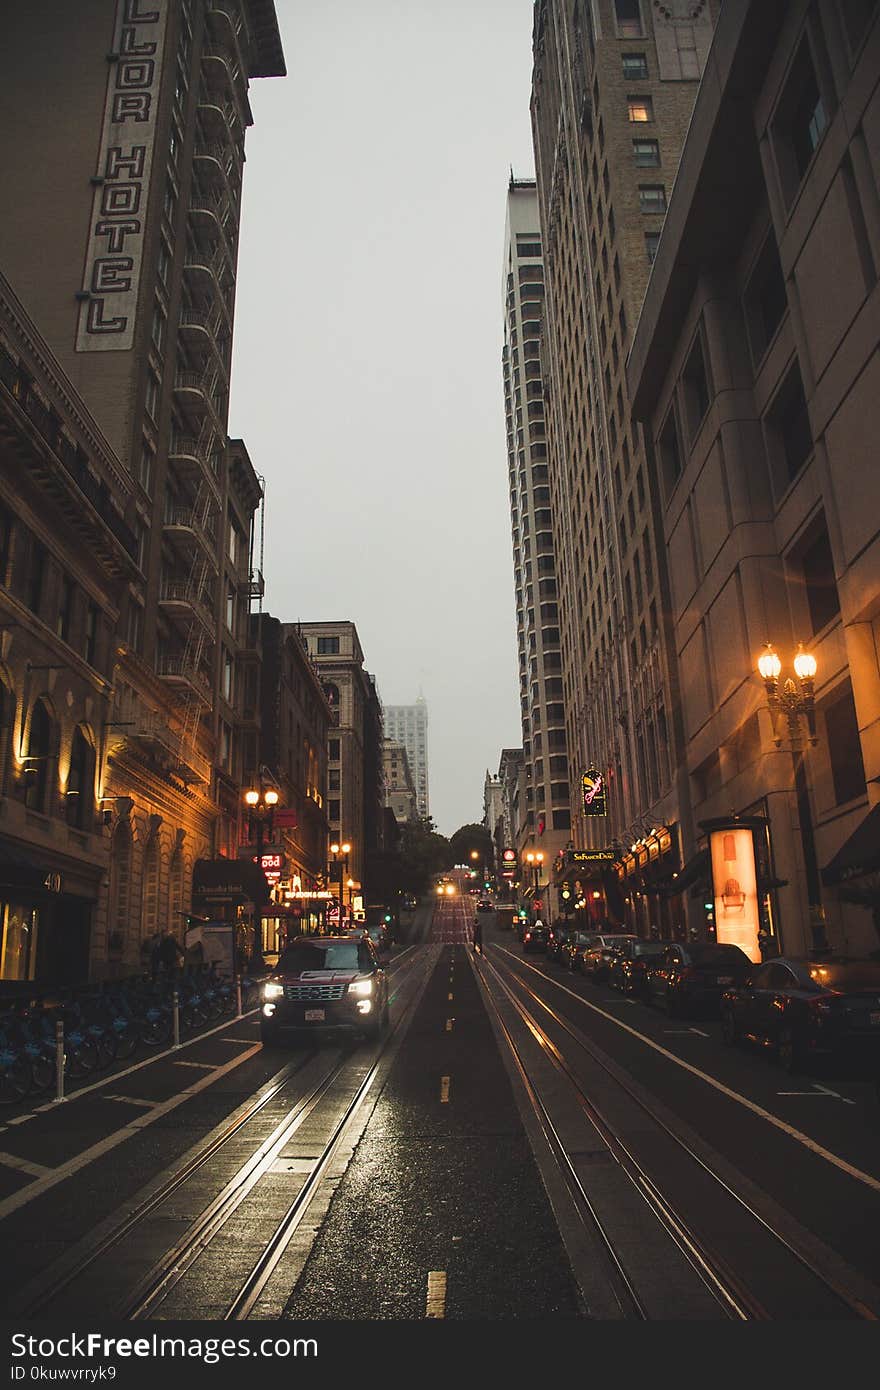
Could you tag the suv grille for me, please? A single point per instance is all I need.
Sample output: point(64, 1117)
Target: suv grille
point(314, 991)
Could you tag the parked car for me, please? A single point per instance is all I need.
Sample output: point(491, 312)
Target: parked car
point(805, 1009)
point(577, 942)
point(324, 983)
point(559, 934)
point(535, 937)
point(691, 978)
point(594, 958)
point(628, 967)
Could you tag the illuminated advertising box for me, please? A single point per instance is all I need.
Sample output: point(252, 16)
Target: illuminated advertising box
point(735, 888)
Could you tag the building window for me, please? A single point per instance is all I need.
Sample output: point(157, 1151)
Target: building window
point(646, 153)
point(629, 19)
point(788, 428)
point(328, 646)
point(652, 242)
point(765, 299)
point(134, 626)
point(845, 748)
point(147, 465)
point(635, 65)
point(36, 759)
point(158, 328)
point(800, 122)
point(696, 388)
point(35, 576)
point(65, 608)
point(640, 109)
point(652, 197)
point(334, 779)
point(333, 810)
point(5, 543)
point(670, 452)
point(820, 582)
point(228, 677)
point(91, 634)
point(333, 750)
point(80, 782)
point(152, 401)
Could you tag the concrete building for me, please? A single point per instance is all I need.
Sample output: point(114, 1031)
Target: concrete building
point(355, 795)
point(547, 819)
point(408, 724)
point(67, 558)
point(122, 163)
point(756, 372)
point(400, 789)
point(613, 88)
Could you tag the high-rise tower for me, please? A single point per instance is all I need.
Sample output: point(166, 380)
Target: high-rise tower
point(547, 820)
point(614, 82)
point(408, 724)
point(122, 159)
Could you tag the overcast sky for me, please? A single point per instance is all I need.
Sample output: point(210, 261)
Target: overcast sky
point(366, 375)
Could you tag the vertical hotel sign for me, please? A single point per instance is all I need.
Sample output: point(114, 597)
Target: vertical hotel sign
point(116, 235)
point(734, 888)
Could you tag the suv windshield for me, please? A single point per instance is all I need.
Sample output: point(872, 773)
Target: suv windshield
point(342, 955)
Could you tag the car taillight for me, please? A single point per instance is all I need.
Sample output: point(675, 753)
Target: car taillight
point(528, 936)
point(688, 973)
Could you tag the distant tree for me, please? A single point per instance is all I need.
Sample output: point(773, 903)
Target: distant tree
point(423, 852)
point(473, 839)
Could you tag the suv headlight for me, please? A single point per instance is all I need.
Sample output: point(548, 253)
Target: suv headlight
point(361, 987)
point(272, 991)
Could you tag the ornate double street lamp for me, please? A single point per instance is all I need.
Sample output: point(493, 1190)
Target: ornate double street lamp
point(534, 859)
point(339, 869)
point(789, 705)
point(260, 802)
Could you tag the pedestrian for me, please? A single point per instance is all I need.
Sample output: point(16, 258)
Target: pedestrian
point(478, 936)
point(170, 954)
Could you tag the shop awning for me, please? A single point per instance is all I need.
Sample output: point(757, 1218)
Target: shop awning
point(238, 880)
point(695, 869)
point(859, 855)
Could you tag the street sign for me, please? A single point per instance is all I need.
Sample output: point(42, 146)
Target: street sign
point(594, 793)
point(285, 819)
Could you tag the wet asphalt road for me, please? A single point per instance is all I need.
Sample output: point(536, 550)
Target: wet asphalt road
point(442, 1182)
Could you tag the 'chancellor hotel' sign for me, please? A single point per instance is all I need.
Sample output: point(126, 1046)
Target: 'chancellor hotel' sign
point(116, 236)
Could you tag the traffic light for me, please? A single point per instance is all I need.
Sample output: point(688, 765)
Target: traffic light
point(387, 916)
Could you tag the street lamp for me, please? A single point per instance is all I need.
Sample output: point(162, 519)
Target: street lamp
point(792, 703)
point(260, 802)
point(535, 858)
point(339, 869)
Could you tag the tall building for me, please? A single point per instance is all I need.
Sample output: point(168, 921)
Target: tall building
point(124, 142)
point(408, 724)
point(400, 789)
point(756, 373)
point(355, 797)
point(546, 824)
point(612, 94)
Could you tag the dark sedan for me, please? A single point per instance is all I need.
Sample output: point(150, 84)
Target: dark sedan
point(691, 979)
point(556, 943)
point(629, 965)
point(577, 943)
point(535, 937)
point(804, 1009)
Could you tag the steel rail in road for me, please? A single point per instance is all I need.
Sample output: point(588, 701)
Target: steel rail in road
point(146, 1294)
point(734, 1295)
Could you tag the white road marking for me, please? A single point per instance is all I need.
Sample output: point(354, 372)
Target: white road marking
point(133, 1100)
point(20, 1119)
point(435, 1305)
point(867, 1178)
point(826, 1090)
point(112, 1141)
point(201, 1066)
point(34, 1170)
point(449, 1023)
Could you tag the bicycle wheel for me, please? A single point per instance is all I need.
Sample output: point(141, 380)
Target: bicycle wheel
point(127, 1041)
point(15, 1077)
point(81, 1057)
point(43, 1070)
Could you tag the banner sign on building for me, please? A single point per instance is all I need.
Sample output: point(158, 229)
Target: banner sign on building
point(594, 793)
point(590, 856)
point(115, 246)
point(735, 888)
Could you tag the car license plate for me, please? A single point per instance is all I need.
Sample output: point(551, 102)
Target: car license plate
point(314, 1015)
point(874, 1020)
point(725, 979)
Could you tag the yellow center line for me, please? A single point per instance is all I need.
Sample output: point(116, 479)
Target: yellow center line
point(435, 1304)
point(449, 1023)
point(444, 1090)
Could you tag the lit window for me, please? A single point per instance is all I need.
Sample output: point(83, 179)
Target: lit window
point(640, 108)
